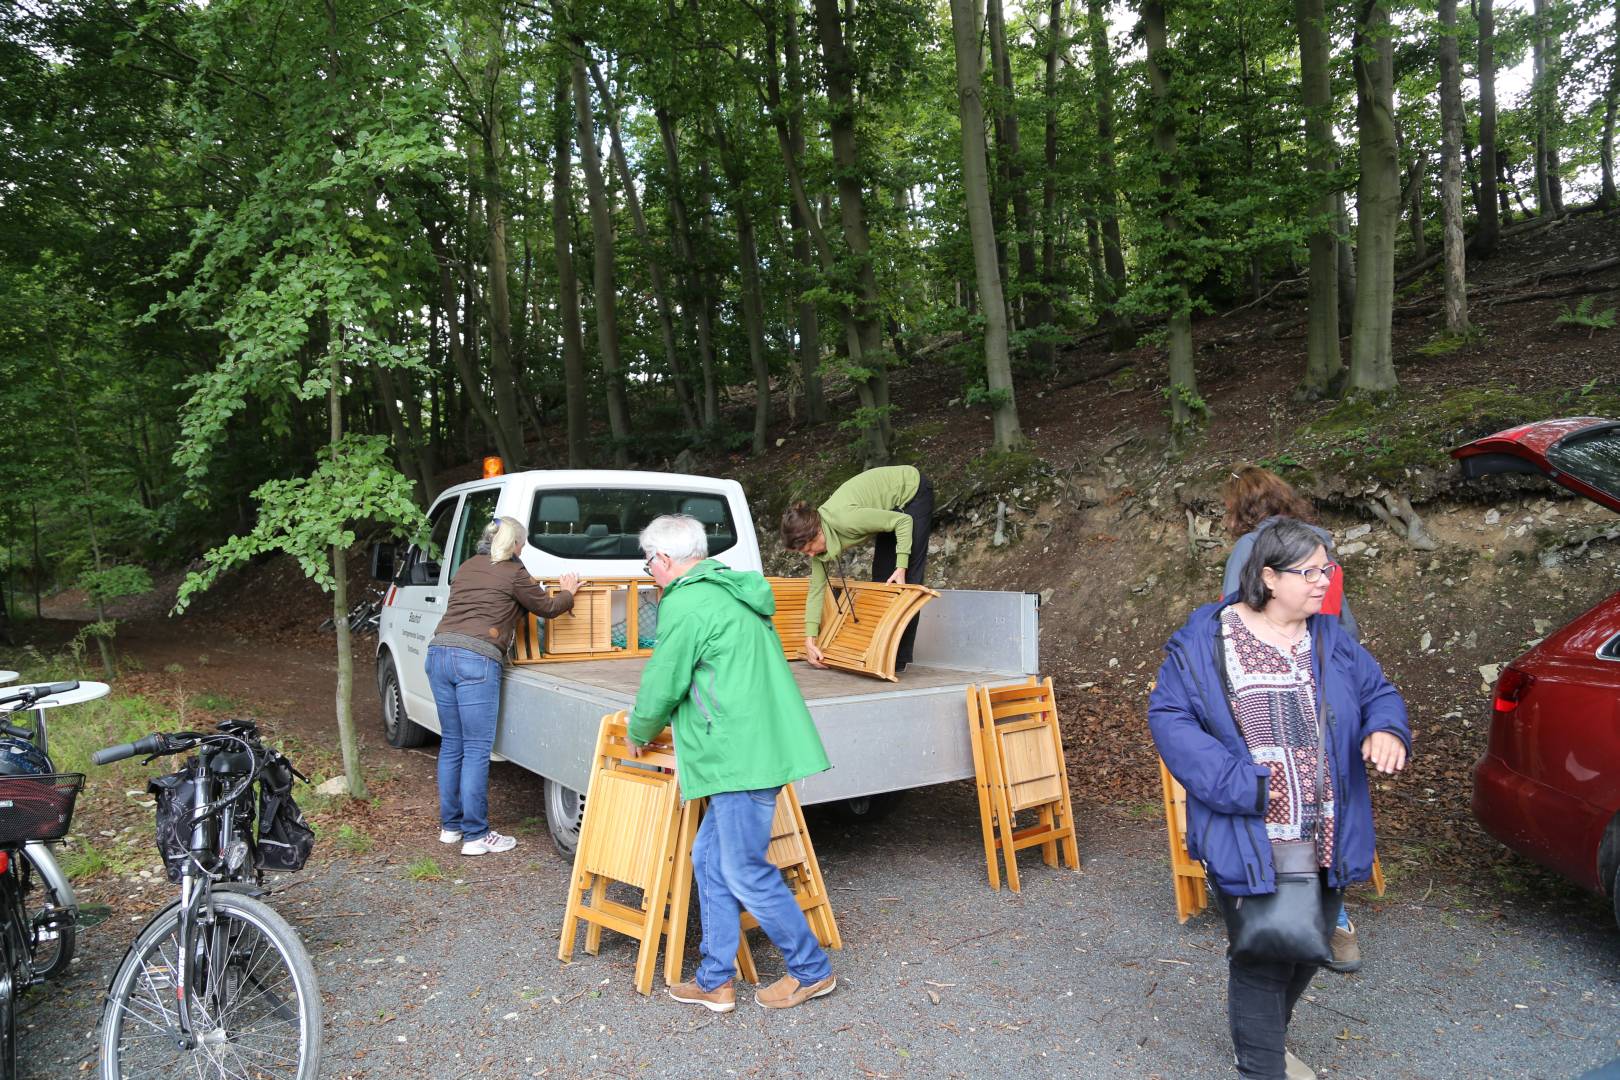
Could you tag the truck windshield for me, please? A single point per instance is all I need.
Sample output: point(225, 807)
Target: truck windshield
point(604, 523)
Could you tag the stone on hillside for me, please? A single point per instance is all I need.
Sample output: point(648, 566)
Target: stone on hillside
point(1357, 532)
point(1425, 641)
point(1492, 517)
point(1352, 549)
point(338, 785)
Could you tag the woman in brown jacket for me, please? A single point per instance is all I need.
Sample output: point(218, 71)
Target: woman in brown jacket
point(488, 595)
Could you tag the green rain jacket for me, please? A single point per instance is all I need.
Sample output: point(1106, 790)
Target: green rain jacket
point(719, 677)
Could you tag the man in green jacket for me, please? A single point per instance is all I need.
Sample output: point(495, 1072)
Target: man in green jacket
point(891, 506)
point(742, 731)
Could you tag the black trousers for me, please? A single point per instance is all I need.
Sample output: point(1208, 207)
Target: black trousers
point(1260, 1001)
point(920, 509)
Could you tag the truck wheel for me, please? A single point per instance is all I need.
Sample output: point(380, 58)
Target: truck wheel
point(400, 730)
point(868, 808)
point(1614, 894)
point(565, 812)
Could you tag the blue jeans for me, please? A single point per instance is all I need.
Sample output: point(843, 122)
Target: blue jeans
point(733, 876)
point(467, 690)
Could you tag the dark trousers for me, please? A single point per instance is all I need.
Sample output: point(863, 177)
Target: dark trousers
point(920, 509)
point(1260, 1000)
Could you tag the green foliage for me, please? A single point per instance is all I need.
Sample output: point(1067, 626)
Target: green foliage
point(424, 869)
point(1584, 314)
point(307, 517)
point(116, 582)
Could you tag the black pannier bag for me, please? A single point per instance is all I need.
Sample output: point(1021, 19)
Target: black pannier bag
point(174, 794)
point(285, 838)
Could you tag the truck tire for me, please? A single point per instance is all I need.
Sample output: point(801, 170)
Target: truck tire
point(400, 730)
point(869, 808)
point(565, 812)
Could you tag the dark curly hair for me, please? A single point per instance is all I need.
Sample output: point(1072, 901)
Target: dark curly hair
point(800, 523)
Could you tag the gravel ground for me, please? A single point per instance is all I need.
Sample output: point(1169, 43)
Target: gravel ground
point(1084, 974)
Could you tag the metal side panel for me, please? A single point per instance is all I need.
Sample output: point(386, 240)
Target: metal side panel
point(974, 630)
point(549, 727)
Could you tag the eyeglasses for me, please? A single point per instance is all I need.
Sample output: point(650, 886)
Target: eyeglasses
point(1313, 574)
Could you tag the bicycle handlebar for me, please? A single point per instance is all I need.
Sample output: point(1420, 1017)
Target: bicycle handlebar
point(151, 744)
point(31, 694)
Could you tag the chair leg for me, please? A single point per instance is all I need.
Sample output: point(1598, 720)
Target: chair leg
point(987, 824)
point(1377, 875)
point(680, 901)
point(565, 948)
point(745, 960)
point(593, 929)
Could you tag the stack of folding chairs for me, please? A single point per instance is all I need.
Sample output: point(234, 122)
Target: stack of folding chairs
point(1019, 764)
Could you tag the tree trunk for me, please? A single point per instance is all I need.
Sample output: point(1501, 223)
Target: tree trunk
point(815, 402)
point(347, 742)
point(1122, 335)
point(1186, 410)
point(649, 254)
point(1451, 137)
point(603, 289)
point(1043, 313)
point(1324, 367)
point(562, 227)
point(388, 397)
point(1378, 201)
point(497, 292)
point(451, 298)
point(753, 303)
point(1412, 197)
point(1611, 103)
point(1011, 145)
point(840, 75)
point(694, 300)
point(39, 563)
point(1344, 251)
point(1489, 225)
point(976, 192)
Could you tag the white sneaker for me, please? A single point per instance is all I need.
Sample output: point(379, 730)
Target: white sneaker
point(449, 836)
point(489, 844)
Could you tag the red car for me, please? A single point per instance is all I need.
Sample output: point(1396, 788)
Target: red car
point(1548, 785)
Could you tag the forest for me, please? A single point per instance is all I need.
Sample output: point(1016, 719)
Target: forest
point(268, 267)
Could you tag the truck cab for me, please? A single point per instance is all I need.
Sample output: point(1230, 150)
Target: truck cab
point(583, 521)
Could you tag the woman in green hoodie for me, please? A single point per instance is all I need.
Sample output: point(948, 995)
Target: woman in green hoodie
point(890, 506)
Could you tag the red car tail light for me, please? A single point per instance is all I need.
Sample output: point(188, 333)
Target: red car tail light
point(1511, 686)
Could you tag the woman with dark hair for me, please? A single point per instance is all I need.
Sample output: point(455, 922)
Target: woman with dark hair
point(488, 595)
point(891, 507)
point(1269, 714)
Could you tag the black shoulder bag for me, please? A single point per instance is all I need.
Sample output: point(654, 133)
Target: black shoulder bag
point(1293, 925)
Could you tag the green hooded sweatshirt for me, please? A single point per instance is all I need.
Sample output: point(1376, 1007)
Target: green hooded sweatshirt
point(719, 677)
point(863, 506)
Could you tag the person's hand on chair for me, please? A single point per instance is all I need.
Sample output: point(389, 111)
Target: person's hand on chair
point(898, 577)
point(812, 653)
point(569, 583)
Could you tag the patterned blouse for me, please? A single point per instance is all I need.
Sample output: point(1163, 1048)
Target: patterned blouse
point(1274, 701)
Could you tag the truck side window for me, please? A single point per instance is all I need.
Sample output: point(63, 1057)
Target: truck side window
point(439, 522)
point(476, 512)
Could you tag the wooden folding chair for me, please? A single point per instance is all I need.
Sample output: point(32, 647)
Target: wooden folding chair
point(1192, 894)
point(790, 851)
point(792, 594)
point(628, 836)
point(867, 621)
point(1021, 750)
point(1192, 891)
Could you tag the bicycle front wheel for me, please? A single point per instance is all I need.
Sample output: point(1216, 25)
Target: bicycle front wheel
point(255, 1005)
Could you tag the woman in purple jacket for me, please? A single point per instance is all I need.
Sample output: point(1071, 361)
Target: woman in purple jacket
point(1255, 690)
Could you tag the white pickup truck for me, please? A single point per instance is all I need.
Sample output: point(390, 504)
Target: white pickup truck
point(881, 737)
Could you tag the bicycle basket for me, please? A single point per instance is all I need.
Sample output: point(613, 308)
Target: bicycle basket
point(37, 807)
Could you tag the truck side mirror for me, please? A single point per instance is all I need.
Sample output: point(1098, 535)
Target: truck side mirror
point(382, 562)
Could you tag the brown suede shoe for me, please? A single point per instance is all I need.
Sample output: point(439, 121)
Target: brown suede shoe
point(1346, 953)
point(722, 998)
point(786, 992)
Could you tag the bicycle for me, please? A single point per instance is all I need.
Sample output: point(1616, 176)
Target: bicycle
point(363, 617)
point(47, 896)
point(34, 808)
point(217, 984)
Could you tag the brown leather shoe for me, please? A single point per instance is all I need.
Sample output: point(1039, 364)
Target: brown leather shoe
point(786, 992)
point(1346, 953)
point(721, 999)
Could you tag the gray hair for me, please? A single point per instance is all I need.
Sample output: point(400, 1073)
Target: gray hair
point(1276, 546)
point(502, 537)
point(680, 536)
